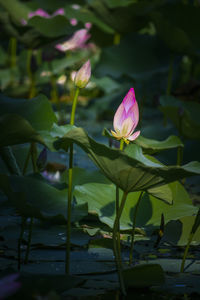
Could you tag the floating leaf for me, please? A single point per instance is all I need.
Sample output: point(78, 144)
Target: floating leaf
point(144, 276)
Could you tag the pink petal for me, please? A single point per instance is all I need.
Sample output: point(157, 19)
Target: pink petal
point(59, 47)
point(83, 75)
point(119, 117)
point(127, 127)
point(129, 99)
point(134, 136)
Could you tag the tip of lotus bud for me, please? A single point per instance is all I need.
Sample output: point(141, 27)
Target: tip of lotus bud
point(83, 75)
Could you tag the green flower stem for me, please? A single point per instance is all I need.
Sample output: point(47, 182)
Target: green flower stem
point(69, 205)
point(54, 92)
point(33, 153)
point(23, 224)
point(186, 251)
point(29, 241)
point(13, 51)
point(170, 76)
point(13, 57)
point(27, 161)
point(32, 90)
point(117, 208)
point(179, 156)
point(133, 228)
point(117, 257)
point(180, 149)
point(192, 233)
point(74, 106)
point(39, 57)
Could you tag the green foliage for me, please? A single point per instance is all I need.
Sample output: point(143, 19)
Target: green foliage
point(101, 201)
point(52, 27)
point(133, 172)
point(144, 276)
point(37, 111)
point(184, 115)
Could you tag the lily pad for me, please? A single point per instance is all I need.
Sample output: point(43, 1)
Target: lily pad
point(144, 276)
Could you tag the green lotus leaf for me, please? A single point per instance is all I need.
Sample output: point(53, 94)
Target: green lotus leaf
point(37, 111)
point(101, 201)
point(135, 173)
point(16, 130)
point(151, 146)
point(51, 27)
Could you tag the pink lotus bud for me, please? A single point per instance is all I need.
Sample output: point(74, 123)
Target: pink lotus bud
point(88, 25)
point(73, 22)
point(77, 41)
point(83, 75)
point(126, 118)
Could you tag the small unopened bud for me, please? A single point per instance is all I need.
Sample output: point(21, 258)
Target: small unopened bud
point(83, 75)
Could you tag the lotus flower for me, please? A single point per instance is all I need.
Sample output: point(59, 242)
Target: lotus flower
point(82, 77)
point(78, 40)
point(126, 119)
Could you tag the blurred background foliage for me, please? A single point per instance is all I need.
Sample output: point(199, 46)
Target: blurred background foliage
point(151, 45)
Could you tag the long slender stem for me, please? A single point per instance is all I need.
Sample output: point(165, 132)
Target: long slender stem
point(13, 57)
point(29, 241)
point(33, 153)
point(115, 230)
point(133, 228)
point(186, 251)
point(179, 156)
point(23, 223)
point(13, 51)
point(32, 90)
point(117, 209)
point(70, 178)
point(27, 161)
